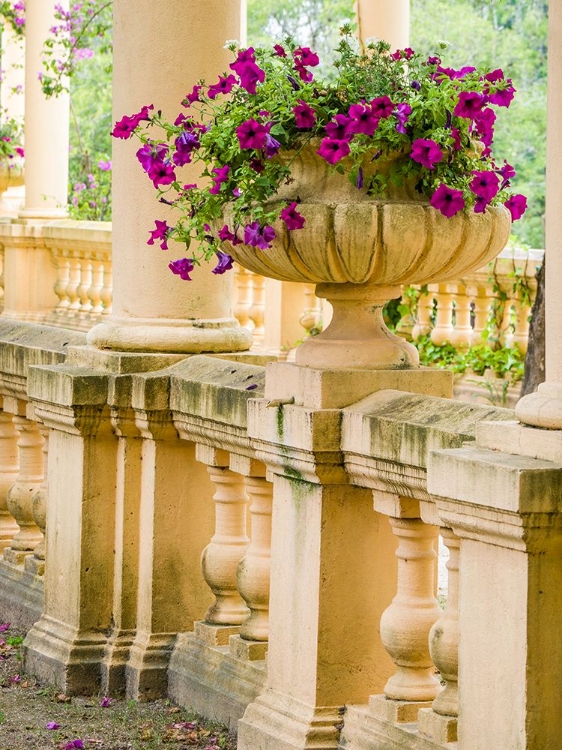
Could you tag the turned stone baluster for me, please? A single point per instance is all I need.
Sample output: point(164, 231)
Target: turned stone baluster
point(243, 296)
point(311, 319)
point(72, 286)
point(8, 475)
point(406, 623)
point(521, 332)
point(253, 571)
point(83, 290)
point(443, 330)
point(423, 322)
point(481, 315)
point(20, 494)
point(257, 310)
point(61, 285)
point(36, 563)
point(229, 544)
point(440, 721)
point(462, 332)
point(96, 286)
point(507, 324)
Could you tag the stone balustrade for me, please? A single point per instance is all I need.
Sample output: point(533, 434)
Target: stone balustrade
point(263, 549)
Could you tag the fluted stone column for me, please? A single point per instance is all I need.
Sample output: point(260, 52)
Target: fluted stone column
point(385, 19)
point(153, 310)
point(544, 408)
point(46, 125)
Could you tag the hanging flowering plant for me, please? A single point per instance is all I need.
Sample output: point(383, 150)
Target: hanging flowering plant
point(11, 137)
point(437, 123)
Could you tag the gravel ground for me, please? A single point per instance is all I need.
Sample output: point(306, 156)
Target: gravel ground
point(37, 717)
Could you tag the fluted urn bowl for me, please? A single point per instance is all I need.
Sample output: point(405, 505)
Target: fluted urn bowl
point(360, 250)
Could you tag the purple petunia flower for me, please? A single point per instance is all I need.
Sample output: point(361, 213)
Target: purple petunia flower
point(402, 112)
point(305, 56)
point(480, 205)
point(151, 154)
point(332, 151)
point(224, 263)
point(76, 744)
point(52, 725)
point(426, 152)
point(257, 236)
point(162, 173)
point(279, 50)
point(403, 54)
point(225, 235)
point(105, 701)
point(193, 96)
point(338, 128)
point(249, 72)
point(305, 116)
point(291, 217)
point(126, 125)
point(447, 200)
point(506, 173)
point(516, 205)
point(251, 134)
point(485, 185)
point(272, 146)
point(182, 268)
point(484, 125)
point(470, 104)
point(224, 86)
point(162, 232)
point(221, 175)
point(382, 107)
point(105, 166)
point(185, 144)
point(5, 626)
point(362, 119)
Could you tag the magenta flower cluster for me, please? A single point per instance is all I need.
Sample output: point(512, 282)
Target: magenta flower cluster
point(269, 101)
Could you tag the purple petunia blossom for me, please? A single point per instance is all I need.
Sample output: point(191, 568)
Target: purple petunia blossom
point(337, 128)
point(105, 166)
point(362, 119)
point(221, 175)
point(105, 701)
point(485, 185)
point(182, 268)
point(185, 144)
point(5, 626)
point(304, 74)
point(151, 154)
point(516, 205)
point(484, 125)
point(251, 134)
point(480, 205)
point(470, 104)
point(52, 725)
point(416, 85)
point(382, 107)
point(447, 200)
point(305, 56)
point(247, 69)
point(332, 151)
point(457, 140)
point(76, 744)
point(402, 112)
point(257, 236)
point(162, 232)
point(272, 146)
point(305, 116)
point(506, 172)
point(126, 125)
point(193, 96)
point(279, 50)
point(403, 54)
point(162, 173)
point(224, 86)
point(291, 217)
point(426, 152)
point(225, 235)
point(359, 178)
point(224, 263)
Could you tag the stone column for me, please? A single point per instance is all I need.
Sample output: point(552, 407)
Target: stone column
point(153, 310)
point(12, 101)
point(544, 408)
point(385, 19)
point(46, 125)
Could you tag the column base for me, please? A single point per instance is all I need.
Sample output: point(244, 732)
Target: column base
point(182, 336)
point(21, 595)
point(278, 722)
point(146, 672)
point(212, 680)
point(397, 712)
point(116, 656)
point(363, 731)
point(34, 565)
point(542, 408)
point(63, 656)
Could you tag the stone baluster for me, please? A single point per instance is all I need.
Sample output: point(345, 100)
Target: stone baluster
point(506, 332)
point(257, 310)
point(94, 292)
point(311, 318)
point(83, 290)
point(229, 544)
point(462, 332)
point(242, 296)
point(443, 330)
point(481, 314)
point(8, 475)
point(422, 325)
point(35, 563)
point(20, 494)
point(61, 284)
point(75, 273)
point(253, 571)
point(521, 326)
point(406, 623)
point(440, 721)
point(107, 289)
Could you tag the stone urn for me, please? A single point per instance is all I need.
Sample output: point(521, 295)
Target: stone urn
point(11, 175)
point(360, 250)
